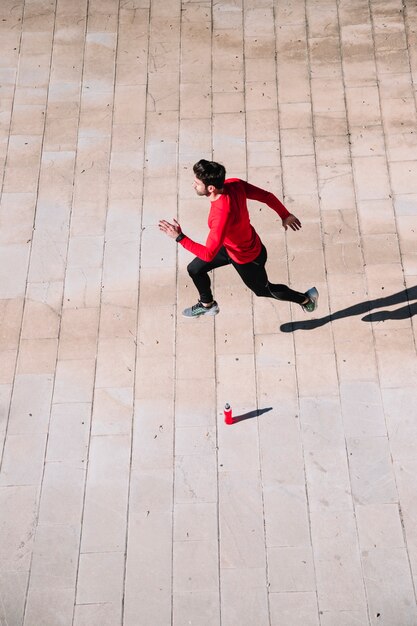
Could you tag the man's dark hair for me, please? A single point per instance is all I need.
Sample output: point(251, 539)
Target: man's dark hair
point(210, 173)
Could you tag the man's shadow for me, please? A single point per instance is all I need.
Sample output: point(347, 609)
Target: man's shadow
point(403, 312)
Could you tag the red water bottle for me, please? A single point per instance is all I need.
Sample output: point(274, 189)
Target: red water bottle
point(228, 419)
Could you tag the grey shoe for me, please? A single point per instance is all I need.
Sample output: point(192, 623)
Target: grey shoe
point(198, 309)
point(312, 304)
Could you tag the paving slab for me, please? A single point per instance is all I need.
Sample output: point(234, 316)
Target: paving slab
point(125, 499)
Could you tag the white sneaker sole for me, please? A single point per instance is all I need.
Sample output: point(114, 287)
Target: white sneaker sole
point(212, 311)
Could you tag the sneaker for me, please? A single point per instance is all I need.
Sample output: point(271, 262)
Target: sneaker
point(198, 309)
point(312, 304)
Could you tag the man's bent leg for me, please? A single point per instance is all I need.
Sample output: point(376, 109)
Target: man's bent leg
point(255, 277)
point(198, 271)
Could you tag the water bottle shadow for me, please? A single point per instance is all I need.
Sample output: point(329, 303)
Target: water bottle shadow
point(250, 415)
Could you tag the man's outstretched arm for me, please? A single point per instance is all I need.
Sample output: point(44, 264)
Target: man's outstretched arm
point(268, 198)
point(214, 240)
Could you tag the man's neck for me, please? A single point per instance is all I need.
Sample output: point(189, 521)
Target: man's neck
point(215, 195)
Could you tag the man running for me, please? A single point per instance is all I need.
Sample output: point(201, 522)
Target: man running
point(232, 239)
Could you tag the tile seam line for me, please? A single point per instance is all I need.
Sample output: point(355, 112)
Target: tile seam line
point(40, 486)
point(175, 314)
point(305, 25)
point(414, 90)
point(39, 490)
point(215, 368)
point(135, 338)
point(404, 532)
point(14, 97)
point(408, 47)
point(3, 443)
point(90, 436)
point(346, 451)
point(266, 566)
point(350, 470)
point(214, 336)
point(137, 334)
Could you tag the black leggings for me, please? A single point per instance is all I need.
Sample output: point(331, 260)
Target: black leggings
point(253, 275)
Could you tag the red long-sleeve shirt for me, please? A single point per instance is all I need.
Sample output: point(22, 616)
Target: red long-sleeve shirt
point(230, 225)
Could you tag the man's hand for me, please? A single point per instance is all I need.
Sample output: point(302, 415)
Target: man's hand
point(172, 230)
point(291, 221)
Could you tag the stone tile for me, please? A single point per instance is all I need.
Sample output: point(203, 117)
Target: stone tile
point(331, 150)
point(321, 423)
point(100, 578)
point(336, 186)
point(17, 531)
point(105, 509)
point(85, 251)
point(295, 115)
point(379, 526)
point(195, 478)
point(328, 480)
point(120, 271)
point(151, 491)
point(78, 333)
point(23, 460)
point(189, 576)
point(49, 604)
point(376, 216)
point(399, 410)
point(244, 596)
point(286, 515)
point(194, 440)
point(356, 362)
point(291, 569)
point(7, 366)
point(291, 609)
point(241, 524)
point(372, 476)
point(156, 326)
point(69, 429)
point(378, 187)
point(54, 562)
point(363, 106)
point(112, 411)
point(115, 362)
point(340, 585)
point(14, 585)
point(390, 597)
point(14, 264)
point(198, 607)
point(148, 587)
point(42, 310)
point(16, 217)
point(292, 165)
point(367, 141)
point(150, 369)
point(320, 382)
point(362, 409)
point(30, 405)
point(392, 61)
point(403, 177)
point(62, 493)
point(392, 360)
point(37, 356)
point(74, 381)
point(82, 288)
point(153, 435)
point(105, 614)
point(195, 404)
